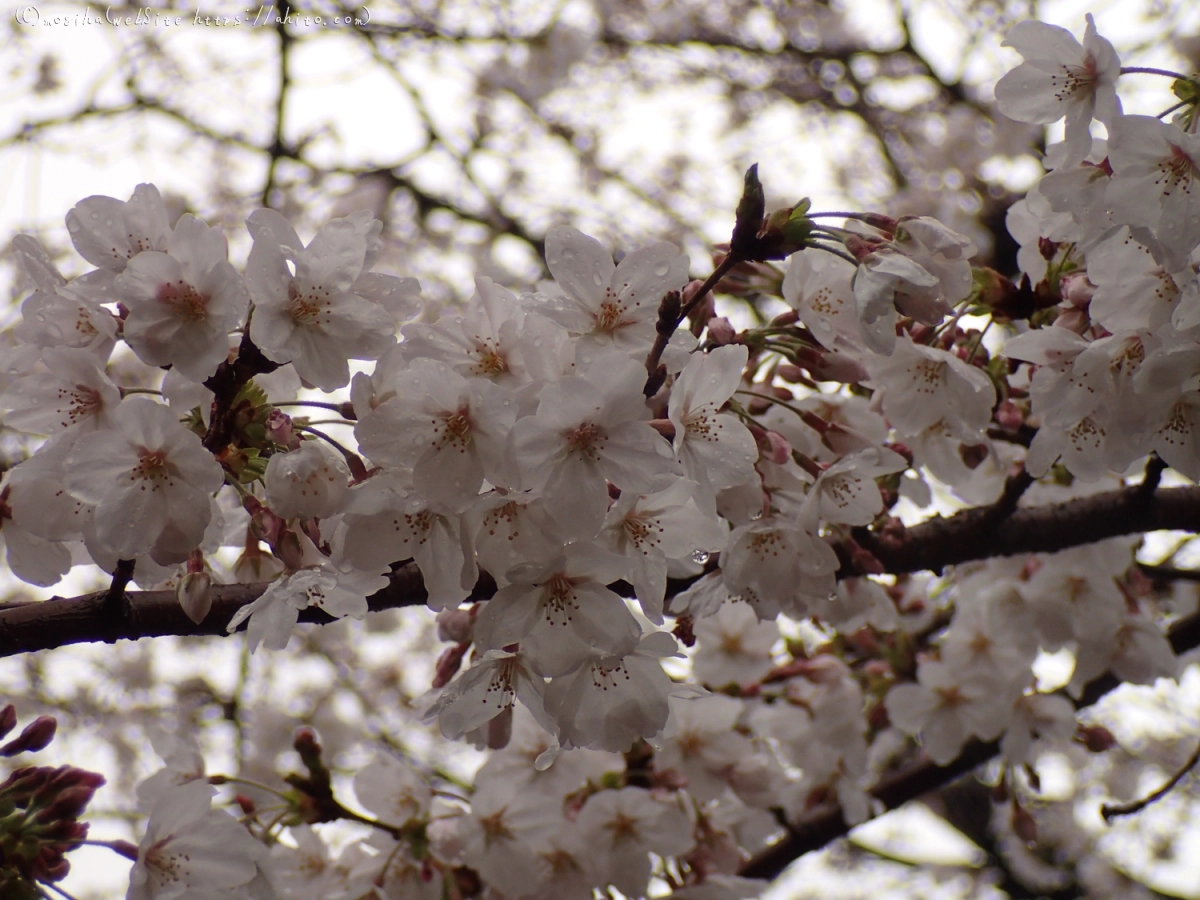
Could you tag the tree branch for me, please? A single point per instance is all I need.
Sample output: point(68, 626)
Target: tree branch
point(976, 533)
point(29, 627)
point(940, 542)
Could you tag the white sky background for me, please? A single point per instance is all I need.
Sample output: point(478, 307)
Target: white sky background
point(339, 91)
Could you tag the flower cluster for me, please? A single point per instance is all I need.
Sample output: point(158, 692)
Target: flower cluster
point(601, 467)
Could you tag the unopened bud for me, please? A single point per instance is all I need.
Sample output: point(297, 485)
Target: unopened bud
point(36, 736)
point(448, 664)
point(455, 625)
point(194, 593)
point(246, 803)
point(788, 317)
point(1008, 416)
point(288, 549)
point(772, 445)
point(8, 719)
point(1096, 738)
point(69, 804)
point(791, 373)
point(721, 331)
point(264, 524)
point(1024, 825)
point(279, 428)
point(831, 365)
point(1073, 319)
point(125, 848)
point(1077, 290)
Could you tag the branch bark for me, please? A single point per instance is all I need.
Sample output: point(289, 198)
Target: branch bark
point(28, 627)
point(970, 535)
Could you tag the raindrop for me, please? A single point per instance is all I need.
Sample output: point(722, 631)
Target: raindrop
point(700, 557)
point(597, 279)
point(661, 269)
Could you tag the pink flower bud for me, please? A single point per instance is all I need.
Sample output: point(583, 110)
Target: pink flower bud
point(1077, 290)
point(830, 365)
point(69, 804)
point(721, 331)
point(1008, 416)
point(194, 593)
point(448, 664)
point(1073, 319)
point(125, 848)
point(289, 550)
point(689, 291)
point(456, 625)
point(1096, 738)
point(36, 736)
point(279, 428)
point(791, 374)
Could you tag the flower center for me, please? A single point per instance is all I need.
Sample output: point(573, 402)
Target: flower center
point(310, 307)
point(490, 361)
point(81, 402)
point(587, 440)
point(153, 467)
point(184, 300)
point(1177, 172)
point(1074, 80)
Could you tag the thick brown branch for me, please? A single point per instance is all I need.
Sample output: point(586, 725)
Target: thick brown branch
point(60, 621)
point(970, 535)
point(976, 533)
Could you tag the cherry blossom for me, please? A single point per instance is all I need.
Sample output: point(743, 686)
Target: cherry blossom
point(58, 314)
point(624, 827)
point(70, 392)
point(650, 529)
point(946, 710)
point(1061, 77)
point(611, 701)
point(922, 273)
point(150, 480)
point(734, 646)
point(311, 480)
point(1154, 182)
point(190, 847)
point(716, 450)
point(108, 232)
point(560, 611)
point(610, 305)
point(183, 303)
point(274, 614)
point(318, 318)
point(588, 429)
point(487, 690)
point(452, 431)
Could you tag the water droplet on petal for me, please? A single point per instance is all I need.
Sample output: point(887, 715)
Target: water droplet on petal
point(661, 270)
point(700, 557)
point(597, 279)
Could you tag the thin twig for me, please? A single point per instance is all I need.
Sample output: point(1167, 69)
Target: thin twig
point(1111, 811)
